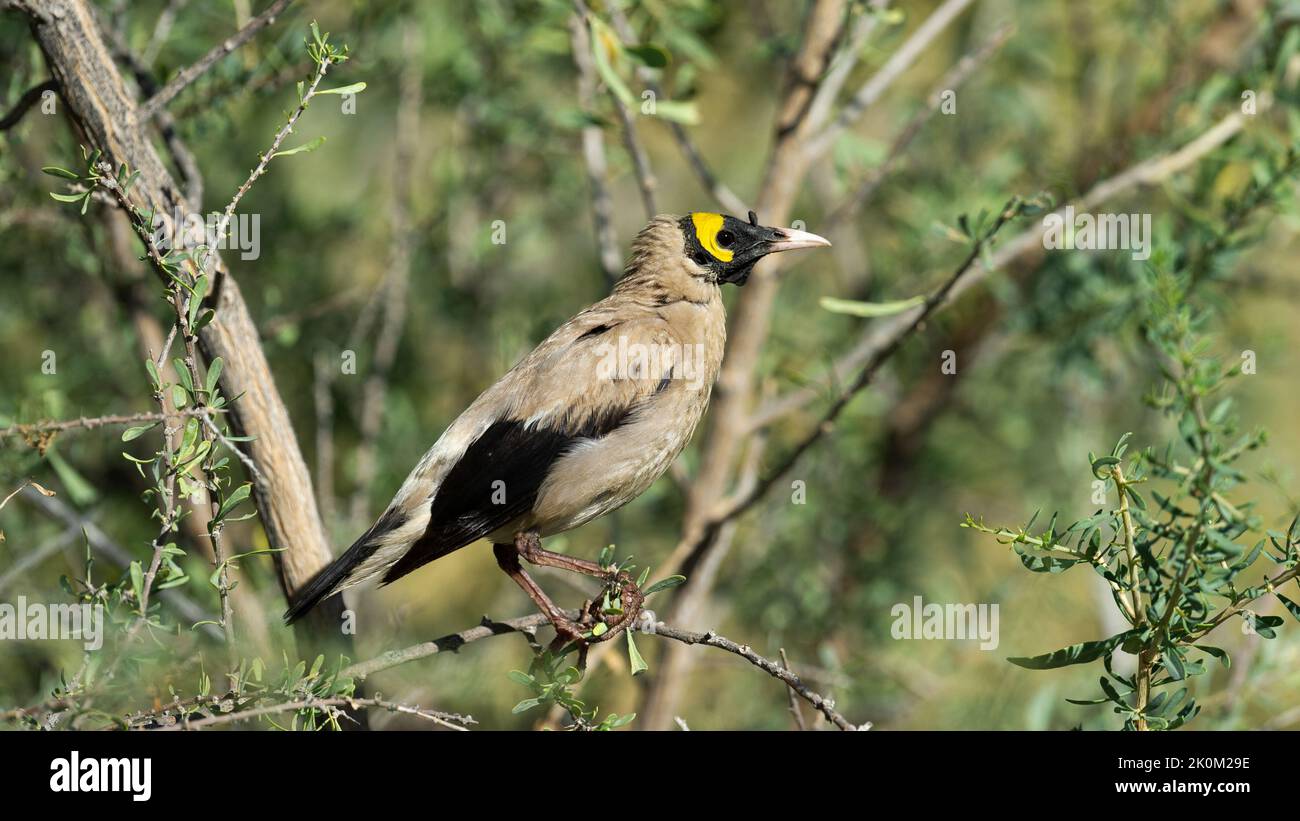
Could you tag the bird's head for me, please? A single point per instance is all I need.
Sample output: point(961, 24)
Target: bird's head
point(721, 248)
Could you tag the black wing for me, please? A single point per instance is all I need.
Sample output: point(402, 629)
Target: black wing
point(469, 506)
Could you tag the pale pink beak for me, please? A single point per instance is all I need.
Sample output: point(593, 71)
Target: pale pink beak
point(792, 238)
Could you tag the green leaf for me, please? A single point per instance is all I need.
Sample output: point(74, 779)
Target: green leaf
point(1103, 462)
point(600, 629)
point(56, 171)
point(526, 704)
point(137, 581)
point(649, 55)
point(69, 197)
point(665, 584)
point(1074, 654)
point(136, 432)
point(214, 373)
point(355, 88)
point(302, 149)
point(634, 660)
point(677, 111)
point(604, 42)
point(1218, 652)
point(1292, 607)
point(238, 495)
point(1174, 665)
point(869, 310)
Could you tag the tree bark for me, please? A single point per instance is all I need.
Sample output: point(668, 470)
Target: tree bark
point(108, 118)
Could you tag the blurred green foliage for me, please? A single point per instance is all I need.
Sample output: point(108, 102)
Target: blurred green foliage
point(1050, 355)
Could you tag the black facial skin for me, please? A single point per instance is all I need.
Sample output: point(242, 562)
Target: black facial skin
point(747, 241)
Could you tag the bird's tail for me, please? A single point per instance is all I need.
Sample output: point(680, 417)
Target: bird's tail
point(349, 569)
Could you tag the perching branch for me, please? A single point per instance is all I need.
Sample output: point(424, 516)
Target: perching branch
point(529, 624)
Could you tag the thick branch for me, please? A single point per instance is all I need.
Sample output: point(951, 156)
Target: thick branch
point(106, 114)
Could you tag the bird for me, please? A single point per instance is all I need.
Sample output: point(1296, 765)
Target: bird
point(580, 426)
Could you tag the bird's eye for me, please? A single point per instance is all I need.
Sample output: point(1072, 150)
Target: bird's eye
point(700, 258)
point(725, 238)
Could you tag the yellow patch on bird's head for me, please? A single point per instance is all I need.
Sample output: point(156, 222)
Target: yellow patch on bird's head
point(707, 227)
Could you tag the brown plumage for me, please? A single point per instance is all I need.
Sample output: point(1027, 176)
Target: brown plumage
point(584, 423)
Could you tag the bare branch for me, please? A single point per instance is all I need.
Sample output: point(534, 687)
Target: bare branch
point(898, 63)
point(398, 272)
point(593, 151)
point(90, 423)
point(953, 79)
point(191, 73)
point(529, 624)
point(716, 188)
point(30, 97)
point(336, 707)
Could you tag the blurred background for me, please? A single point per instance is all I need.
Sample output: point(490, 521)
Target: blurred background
point(475, 113)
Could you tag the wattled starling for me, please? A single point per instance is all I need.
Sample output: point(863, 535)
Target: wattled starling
point(579, 427)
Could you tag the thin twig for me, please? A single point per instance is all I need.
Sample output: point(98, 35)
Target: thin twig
point(953, 79)
point(689, 550)
point(897, 64)
point(528, 624)
point(334, 706)
point(716, 188)
point(90, 423)
point(191, 73)
point(119, 556)
point(162, 27)
point(30, 97)
point(794, 701)
point(398, 272)
point(593, 151)
point(1150, 172)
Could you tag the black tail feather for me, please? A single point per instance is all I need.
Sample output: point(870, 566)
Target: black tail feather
point(325, 583)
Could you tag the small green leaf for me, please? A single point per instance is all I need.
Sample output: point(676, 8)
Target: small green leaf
point(136, 432)
point(526, 704)
point(665, 584)
point(634, 660)
point(214, 373)
point(238, 495)
point(56, 171)
point(869, 310)
point(649, 55)
point(302, 149)
point(1292, 607)
point(355, 88)
point(1074, 654)
point(137, 581)
point(69, 197)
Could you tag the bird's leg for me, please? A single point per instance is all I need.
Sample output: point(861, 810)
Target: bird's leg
point(507, 556)
point(529, 545)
